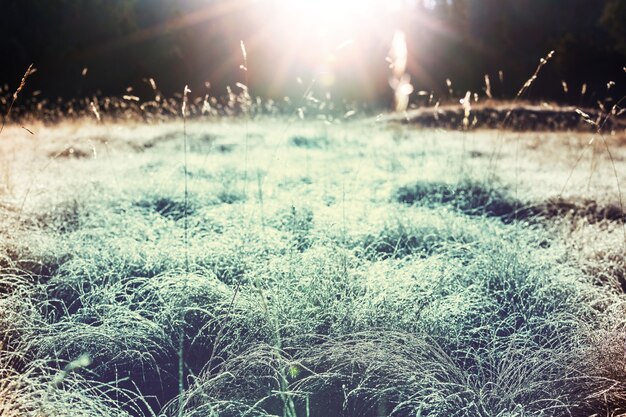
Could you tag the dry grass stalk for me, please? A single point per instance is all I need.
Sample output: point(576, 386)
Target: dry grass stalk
point(94, 109)
point(244, 53)
point(488, 86)
point(531, 80)
point(467, 108)
point(31, 70)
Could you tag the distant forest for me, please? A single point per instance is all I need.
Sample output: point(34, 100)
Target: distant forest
point(125, 42)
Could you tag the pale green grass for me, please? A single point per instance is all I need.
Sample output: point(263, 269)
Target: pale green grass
point(347, 270)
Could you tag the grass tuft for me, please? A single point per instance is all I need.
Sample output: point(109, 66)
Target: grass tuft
point(468, 196)
point(309, 142)
point(167, 207)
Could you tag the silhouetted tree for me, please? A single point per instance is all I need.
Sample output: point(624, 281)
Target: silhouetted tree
point(614, 20)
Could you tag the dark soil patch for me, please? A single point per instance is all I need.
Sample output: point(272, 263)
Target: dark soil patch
point(469, 197)
point(309, 142)
point(20, 268)
point(65, 217)
point(477, 198)
point(167, 207)
point(204, 143)
point(225, 147)
point(400, 245)
point(588, 209)
point(299, 222)
point(151, 143)
point(608, 270)
point(71, 153)
point(519, 117)
point(231, 196)
point(195, 142)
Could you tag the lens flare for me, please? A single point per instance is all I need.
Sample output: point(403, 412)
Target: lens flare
point(332, 19)
point(335, 41)
point(399, 81)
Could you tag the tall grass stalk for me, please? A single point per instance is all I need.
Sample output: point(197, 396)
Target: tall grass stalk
point(181, 332)
point(289, 407)
point(246, 105)
point(29, 71)
point(599, 125)
point(491, 171)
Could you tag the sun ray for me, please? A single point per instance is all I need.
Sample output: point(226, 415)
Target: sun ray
point(330, 40)
point(212, 11)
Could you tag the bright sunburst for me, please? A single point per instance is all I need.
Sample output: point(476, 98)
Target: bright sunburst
point(331, 19)
point(330, 36)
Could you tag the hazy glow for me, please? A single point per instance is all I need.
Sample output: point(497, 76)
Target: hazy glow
point(399, 81)
point(330, 36)
point(332, 19)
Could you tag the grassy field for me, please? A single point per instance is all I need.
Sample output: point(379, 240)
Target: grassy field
point(304, 269)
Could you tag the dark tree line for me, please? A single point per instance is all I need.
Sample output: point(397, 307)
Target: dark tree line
point(588, 36)
point(123, 42)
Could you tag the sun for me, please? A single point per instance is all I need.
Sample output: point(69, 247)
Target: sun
point(326, 14)
point(330, 20)
point(328, 36)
